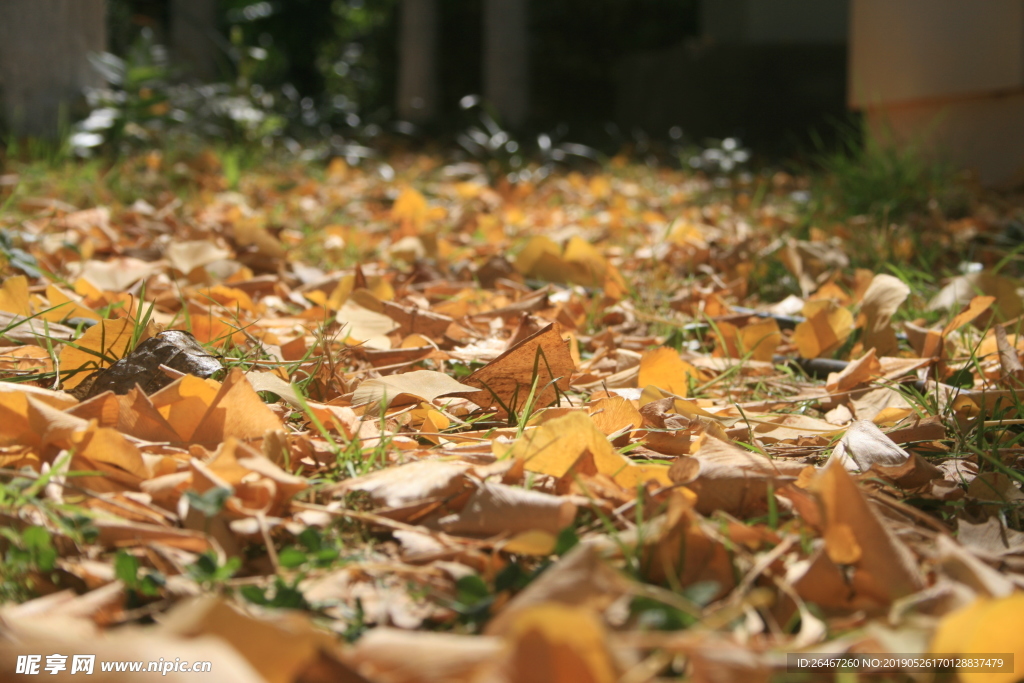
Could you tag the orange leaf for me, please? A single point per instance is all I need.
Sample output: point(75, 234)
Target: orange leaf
point(14, 296)
point(664, 369)
point(410, 210)
point(542, 358)
point(760, 339)
point(972, 310)
point(552, 643)
point(826, 328)
point(236, 411)
point(884, 569)
point(100, 346)
point(985, 626)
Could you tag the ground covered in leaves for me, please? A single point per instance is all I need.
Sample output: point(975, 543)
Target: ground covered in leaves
point(408, 424)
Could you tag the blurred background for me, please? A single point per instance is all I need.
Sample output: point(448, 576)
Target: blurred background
point(665, 79)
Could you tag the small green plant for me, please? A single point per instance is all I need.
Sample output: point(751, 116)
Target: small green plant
point(313, 551)
point(209, 573)
point(28, 552)
point(280, 594)
point(874, 174)
point(142, 583)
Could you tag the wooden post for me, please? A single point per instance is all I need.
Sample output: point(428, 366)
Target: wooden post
point(417, 55)
point(44, 65)
point(506, 60)
point(193, 37)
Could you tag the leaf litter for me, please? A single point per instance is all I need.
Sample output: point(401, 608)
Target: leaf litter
point(345, 428)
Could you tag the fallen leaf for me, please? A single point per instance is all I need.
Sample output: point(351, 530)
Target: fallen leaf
point(960, 290)
point(14, 296)
point(100, 347)
point(860, 371)
point(986, 626)
point(884, 569)
point(665, 369)
point(865, 445)
point(542, 360)
point(727, 477)
point(426, 385)
point(825, 328)
point(559, 445)
point(497, 508)
point(236, 411)
point(883, 297)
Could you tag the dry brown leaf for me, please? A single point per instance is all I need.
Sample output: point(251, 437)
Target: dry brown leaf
point(860, 371)
point(1009, 360)
point(542, 358)
point(727, 477)
point(425, 480)
point(884, 570)
point(497, 508)
point(995, 487)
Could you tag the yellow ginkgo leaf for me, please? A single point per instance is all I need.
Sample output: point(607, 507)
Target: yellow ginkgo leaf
point(410, 210)
point(100, 346)
point(826, 328)
point(14, 296)
point(664, 368)
point(983, 627)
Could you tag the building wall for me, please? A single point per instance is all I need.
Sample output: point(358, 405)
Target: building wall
point(946, 75)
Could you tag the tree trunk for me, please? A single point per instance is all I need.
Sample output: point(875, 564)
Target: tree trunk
point(506, 63)
point(193, 37)
point(44, 47)
point(417, 55)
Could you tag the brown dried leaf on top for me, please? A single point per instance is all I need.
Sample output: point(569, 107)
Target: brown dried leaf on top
point(883, 568)
point(729, 478)
point(542, 360)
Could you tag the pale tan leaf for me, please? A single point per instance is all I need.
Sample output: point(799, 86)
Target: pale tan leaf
point(413, 483)
point(497, 508)
point(398, 656)
point(425, 385)
point(187, 256)
point(884, 296)
point(363, 326)
point(865, 445)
